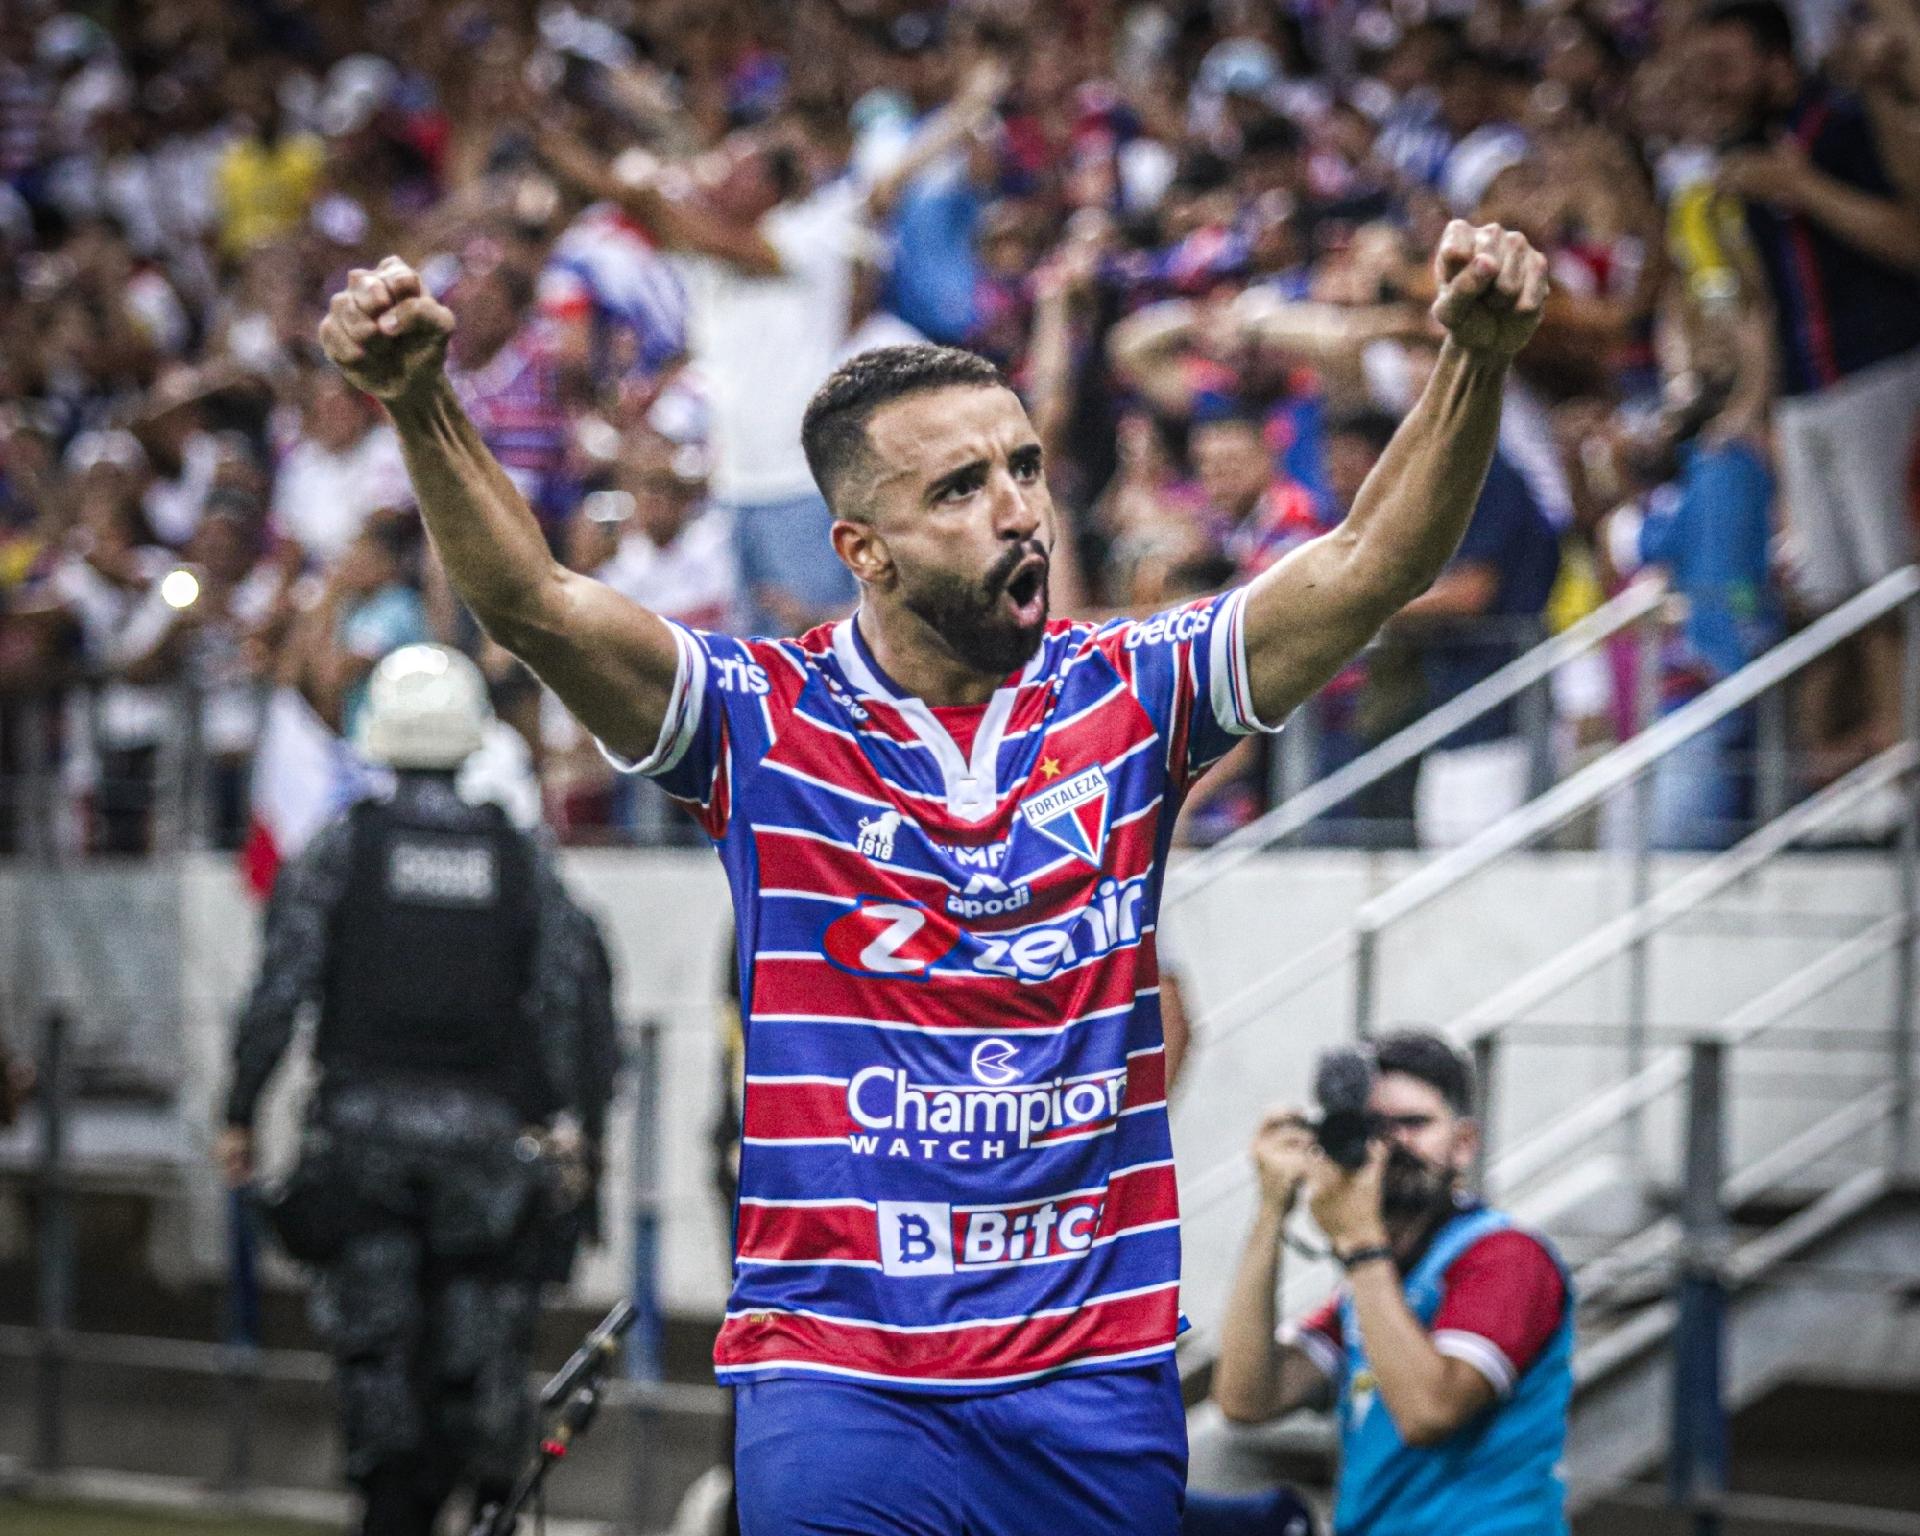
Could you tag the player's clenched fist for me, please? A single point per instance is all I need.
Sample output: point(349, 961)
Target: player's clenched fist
point(384, 331)
point(1492, 286)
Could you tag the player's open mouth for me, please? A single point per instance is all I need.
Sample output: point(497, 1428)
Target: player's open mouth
point(1026, 590)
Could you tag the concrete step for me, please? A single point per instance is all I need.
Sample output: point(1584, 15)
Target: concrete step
point(631, 1468)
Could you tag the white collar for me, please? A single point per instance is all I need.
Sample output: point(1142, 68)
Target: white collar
point(972, 785)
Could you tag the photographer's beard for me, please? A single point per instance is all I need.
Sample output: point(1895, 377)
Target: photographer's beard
point(1415, 1192)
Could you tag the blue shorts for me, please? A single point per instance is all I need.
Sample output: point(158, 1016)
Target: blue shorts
point(1081, 1455)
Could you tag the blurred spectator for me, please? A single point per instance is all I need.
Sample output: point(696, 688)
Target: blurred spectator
point(1706, 522)
point(243, 604)
point(107, 584)
point(1482, 612)
point(267, 176)
point(501, 367)
point(344, 465)
point(934, 273)
point(367, 609)
point(1253, 514)
point(1840, 246)
point(671, 552)
point(614, 308)
point(653, 536)
point(1188, 236)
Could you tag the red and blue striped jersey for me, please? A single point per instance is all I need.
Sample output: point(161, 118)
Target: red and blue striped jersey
point(956, 1172)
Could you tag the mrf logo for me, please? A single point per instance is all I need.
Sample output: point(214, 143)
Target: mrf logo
point(886, 938)
point(924, 1237)
point(1073, 814)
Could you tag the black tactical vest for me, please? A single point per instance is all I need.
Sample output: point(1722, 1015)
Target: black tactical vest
point(431, 953)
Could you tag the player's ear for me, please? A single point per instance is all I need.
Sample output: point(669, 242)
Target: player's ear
point(864, 552)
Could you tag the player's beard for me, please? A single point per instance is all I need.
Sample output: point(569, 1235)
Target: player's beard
point(970, 617)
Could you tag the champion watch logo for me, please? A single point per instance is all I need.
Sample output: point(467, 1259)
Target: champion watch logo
point(992, 1063)
point(1073, 813)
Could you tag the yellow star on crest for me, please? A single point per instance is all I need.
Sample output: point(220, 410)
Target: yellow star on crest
point(1049, 767)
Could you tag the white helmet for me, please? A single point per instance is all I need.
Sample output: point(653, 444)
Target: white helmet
point(426, 708)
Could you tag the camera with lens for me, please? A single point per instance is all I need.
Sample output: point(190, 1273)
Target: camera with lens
point(1342, 1085)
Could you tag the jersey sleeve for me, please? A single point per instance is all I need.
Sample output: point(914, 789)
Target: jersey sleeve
point(1188, 669)
point(1317, 1336)
point(691, 758)
point(1505, 1297)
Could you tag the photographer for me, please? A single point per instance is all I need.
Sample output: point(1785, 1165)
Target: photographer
point(1448, 1349)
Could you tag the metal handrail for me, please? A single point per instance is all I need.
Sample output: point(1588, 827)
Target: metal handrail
point(1652, 1243)
point(1251, 1001)
point(1594, 783)
point(1675, 901)
point(1614, 1105)
point(1525, 671)
point(304, 1367)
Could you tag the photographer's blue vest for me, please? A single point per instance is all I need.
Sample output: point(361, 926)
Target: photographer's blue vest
point(1498, 1475)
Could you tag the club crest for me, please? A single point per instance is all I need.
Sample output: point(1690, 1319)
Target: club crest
point(1073, 813)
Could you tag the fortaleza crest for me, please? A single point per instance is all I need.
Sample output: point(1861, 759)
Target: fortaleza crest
point(1073, 813)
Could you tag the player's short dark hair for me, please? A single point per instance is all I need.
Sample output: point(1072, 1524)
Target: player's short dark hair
point(1369, 423)
point(1764, 21)
point(833, 433)
point(1421, 1054)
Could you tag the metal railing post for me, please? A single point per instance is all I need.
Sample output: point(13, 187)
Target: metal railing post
point(1366, 964)
point(1536, 721)
point(1772, 781)
point(1646, 704)
point(54, 1245)
point(1697, 1463)
point(180, 795)
point(1292, 764)
point(645, 1343)
point(1486, 1055)
point(243, 1338)
point(1906, 969)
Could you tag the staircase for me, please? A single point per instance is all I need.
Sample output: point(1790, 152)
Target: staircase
point(1693, 1069)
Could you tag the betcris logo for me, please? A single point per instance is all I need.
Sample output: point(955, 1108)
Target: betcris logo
point(738, 676)
point(903, 939)
point(927, 1237)
point(1170, 628)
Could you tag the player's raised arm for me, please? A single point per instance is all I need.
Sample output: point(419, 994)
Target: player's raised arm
point(1312, 611)
point(610, 660)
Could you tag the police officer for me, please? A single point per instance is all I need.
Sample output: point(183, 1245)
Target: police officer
point(447, 964)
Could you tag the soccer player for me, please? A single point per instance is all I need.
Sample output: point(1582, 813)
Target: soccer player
point(945, 820)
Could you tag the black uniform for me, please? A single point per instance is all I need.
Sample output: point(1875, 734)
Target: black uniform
point(451, 972)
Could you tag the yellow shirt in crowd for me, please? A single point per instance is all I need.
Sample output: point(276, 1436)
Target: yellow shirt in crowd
point(265, 189)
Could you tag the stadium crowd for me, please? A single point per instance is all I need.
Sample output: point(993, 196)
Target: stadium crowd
point(1193, 234)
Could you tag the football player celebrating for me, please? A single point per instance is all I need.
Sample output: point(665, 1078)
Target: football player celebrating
point(945, 821)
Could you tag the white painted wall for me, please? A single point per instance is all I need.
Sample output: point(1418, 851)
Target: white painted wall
point(665, 916)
